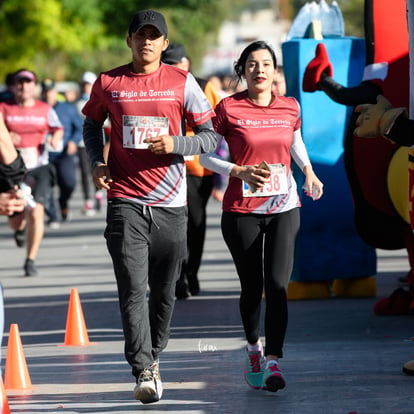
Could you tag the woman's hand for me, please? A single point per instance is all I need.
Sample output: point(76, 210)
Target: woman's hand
point(313, 186)
point(253, 175)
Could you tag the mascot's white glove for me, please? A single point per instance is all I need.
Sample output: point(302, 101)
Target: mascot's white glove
point(376, 119)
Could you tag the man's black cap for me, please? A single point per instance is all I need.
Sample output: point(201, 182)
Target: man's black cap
point(48, 85)
point(148, 17)
point(174, 53)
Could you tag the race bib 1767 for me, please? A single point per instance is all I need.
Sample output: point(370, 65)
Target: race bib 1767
point(137, 128)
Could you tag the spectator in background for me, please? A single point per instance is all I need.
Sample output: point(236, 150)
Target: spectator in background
point(87, 80)
point(64, 157)
point(32, 124)
point(200, 182)
point(71, 94)
point(218, 85)
point(90, 206)
point(220, 180)
point(279, 82)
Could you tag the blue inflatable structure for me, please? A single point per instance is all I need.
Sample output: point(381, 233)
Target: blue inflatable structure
point(329, 247)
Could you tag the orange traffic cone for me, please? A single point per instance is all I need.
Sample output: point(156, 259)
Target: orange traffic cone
point(76, 334)
point(4, 404)
point(16, 374)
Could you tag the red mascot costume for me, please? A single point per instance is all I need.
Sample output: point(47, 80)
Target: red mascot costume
point(377, 167)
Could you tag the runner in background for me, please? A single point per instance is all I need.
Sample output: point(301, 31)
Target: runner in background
point(200, 183)
point(92, 202)
point(33, 125)
point(64, 159)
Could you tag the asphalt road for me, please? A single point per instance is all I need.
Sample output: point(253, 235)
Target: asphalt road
point(339, 357)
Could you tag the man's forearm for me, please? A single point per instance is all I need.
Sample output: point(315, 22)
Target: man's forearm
point(93, 137)
point(8, 151)
point(12, 174)
point(204, 141)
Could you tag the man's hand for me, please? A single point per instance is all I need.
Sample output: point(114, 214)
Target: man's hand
point(71, 148)
point(162, 144)
point(11, 202)
point(376, 119)
point(102, 177)
point(55, 140)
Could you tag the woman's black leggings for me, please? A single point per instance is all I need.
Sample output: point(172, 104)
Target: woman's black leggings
point(262, 247)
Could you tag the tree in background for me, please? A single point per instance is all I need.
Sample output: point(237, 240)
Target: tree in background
point(193, 23)
point(353, 12)
point(285, 9)
point(62, 38)
point(43, 34)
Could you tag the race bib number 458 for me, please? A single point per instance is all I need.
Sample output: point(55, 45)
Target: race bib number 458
point(137, 128)
point(276, 185)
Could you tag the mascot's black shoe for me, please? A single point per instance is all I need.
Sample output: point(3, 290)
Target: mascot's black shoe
point(398, 303)
point(407, 279)
point(403, 280)
point(408, 368)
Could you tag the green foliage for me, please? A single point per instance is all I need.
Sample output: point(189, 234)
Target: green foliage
point(62, 38)
point(194, 23)
point(353, 12)
point(42, 35)
point(210, 13)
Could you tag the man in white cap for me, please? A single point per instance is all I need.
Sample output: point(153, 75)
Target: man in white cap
point(87, 80)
